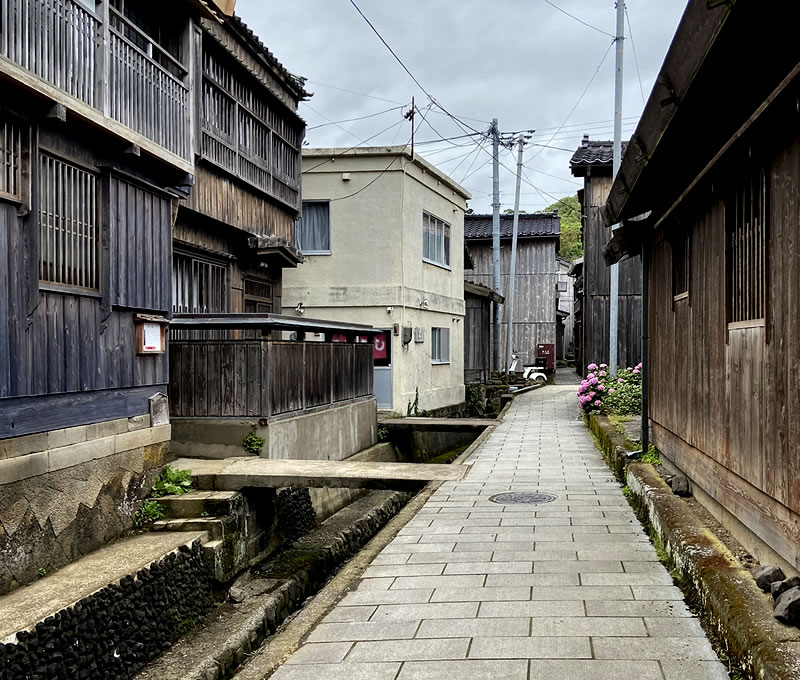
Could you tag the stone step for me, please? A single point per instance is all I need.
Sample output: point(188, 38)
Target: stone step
point(232, 474)
point(23, 608)
point(201, 503)
point(213, 526)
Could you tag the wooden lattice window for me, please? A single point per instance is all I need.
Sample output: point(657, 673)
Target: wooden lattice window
point(68, 225)
point(746, 219)
point(10, 159)
point(681, 253)
point(199, 285)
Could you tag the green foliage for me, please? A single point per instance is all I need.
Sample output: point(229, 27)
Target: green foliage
point(172, 481)
point(626, 491)
point(383, 433)
point(651, 456)
point(42, 571)
point(151, 511)
point(569, 209)
point(473, 399)
point(600, 392)
point(252, 443)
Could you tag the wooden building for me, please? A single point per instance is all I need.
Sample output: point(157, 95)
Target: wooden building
point(715, 208)
point(536, 277)
point(593, 162)
point(478, 331)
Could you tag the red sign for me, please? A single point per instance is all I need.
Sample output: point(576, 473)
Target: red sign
point(338, 337)
point(379, 347)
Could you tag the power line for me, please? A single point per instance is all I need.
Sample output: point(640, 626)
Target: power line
point(359, 94)
point(633, 47)
point(342, 153)
point(350, 120)
point(585, 90)
point(580, 21)
point(408, 71)
point(372, 181)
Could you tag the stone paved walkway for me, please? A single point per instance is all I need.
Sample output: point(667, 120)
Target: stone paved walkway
point(471, 589)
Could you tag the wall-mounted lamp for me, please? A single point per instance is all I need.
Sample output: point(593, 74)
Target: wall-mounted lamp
point(424, 303)
point(389, 310)
point(299, 308)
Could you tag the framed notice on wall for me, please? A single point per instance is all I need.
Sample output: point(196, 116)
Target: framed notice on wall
point(151, 334)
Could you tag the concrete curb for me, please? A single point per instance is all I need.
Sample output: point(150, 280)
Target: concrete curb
point(739, 613)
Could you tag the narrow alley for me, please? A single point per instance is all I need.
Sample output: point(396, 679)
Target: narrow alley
point(473, 588)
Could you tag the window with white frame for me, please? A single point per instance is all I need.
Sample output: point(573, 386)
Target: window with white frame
point(435, 240)
point(440, 345)
point(314, 228)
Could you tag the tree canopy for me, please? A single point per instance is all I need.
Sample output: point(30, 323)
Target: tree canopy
point(569, 209)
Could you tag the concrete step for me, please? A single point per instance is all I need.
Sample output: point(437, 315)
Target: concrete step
point(201, 503)
point(23, 608)
point(213, 526)
point(232, 474)
point(419, 423)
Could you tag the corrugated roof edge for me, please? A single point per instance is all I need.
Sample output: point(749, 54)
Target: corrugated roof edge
point(366, 151)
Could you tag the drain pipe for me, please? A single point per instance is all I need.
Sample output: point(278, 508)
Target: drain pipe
point(645, 434)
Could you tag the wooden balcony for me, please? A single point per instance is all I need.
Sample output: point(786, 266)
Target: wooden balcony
point(104, 62)
point(260, 378)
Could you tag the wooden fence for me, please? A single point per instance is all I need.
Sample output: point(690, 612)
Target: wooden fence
point(262, 378)
point(139, 85)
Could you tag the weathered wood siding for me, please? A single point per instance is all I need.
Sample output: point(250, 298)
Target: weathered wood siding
point(725, 403)
point(534, 291)
point(259, 378)
point(60, 340)
point(597, 284)
point(477, 338)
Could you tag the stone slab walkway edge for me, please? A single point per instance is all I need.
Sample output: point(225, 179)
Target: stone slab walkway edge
point(727, 591)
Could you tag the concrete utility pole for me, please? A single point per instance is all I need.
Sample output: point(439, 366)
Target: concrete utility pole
point(512, 269)
point(613, 330)
point(498, 310)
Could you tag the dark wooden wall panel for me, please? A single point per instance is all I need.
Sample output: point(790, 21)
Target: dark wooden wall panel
point(141, 238)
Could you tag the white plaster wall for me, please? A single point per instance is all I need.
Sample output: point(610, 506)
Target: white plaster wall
point(376, 262)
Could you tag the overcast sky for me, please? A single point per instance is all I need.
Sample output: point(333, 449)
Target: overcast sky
point(521, 61)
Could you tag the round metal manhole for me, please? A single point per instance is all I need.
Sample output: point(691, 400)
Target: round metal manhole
point(522, 498)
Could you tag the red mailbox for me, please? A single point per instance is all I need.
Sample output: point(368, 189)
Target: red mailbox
point(546, 356)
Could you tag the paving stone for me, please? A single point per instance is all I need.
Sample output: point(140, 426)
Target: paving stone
point(350, 671)
point(435, 610)
point(357, 631)
point(320, 652)
point(694, 670)
point(666, 626)
point(375, 584)
point(531, 648)
point(386, 597)
point(533, 609)
point(506, 546)
point(577, 566)
point(442, 628)
point(450, 558)
point(588, 626)
point(396, 558)
point(676, 648)
point(462, 581)
point(582, 593)
point(656, 593)
point(342, 614)
point(596, 579)
point(533, 555)
point(410, 650)
point(417, 548)
point(516, 669)
point(637, 608)
point(559, 579)
point(516, 594)
point(403, 570)
point(595, 670)
point(489, 568)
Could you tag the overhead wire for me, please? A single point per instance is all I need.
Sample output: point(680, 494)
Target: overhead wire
point(580, 21)
point(633, 49)
point(342, 153)
point(350, 120)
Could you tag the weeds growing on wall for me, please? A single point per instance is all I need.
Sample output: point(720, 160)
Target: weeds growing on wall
point(172, 481)
point(151, 511)
point(252, 443)
point(621, 395)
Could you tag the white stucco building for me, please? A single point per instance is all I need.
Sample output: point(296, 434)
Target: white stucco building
point(383, 236)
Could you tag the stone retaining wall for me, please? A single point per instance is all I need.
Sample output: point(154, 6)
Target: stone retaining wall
point(117, 630)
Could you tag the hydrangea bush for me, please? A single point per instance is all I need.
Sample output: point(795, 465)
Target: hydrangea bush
point(600, 392)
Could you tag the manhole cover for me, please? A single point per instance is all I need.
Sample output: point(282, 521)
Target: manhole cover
point(522, 498)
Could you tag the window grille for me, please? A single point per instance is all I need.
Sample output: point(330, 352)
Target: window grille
point(747, 227)
point(314, 228)
point(199, 286)
point(440, 345)
point(680, 265)
point(68, 248)
point(435, 240)
point(10, 159)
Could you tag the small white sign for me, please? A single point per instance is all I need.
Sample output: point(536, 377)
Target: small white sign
point(152, 338)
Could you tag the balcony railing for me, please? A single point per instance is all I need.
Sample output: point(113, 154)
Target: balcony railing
point(263, 378)
point(138, 84)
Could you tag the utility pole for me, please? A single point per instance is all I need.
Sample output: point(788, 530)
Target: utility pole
point(512, 270)
point(613, 334)
point(410, 116)
point(498, 310)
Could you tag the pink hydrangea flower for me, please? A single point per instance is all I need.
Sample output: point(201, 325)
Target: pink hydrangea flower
point(636, 371)
point(611, 390)
point(589, 376)
point(597, 402)
point(592, 394)
point(592, 367)
point(620, 380)
point(603, 365)
point(601, 387)
point(602, 374)
point(594, 381)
